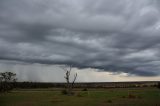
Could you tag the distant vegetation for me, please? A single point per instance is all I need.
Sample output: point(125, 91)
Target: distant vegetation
point(84, 86)
point(7, 81)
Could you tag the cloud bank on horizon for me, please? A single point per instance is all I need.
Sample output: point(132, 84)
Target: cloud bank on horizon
point(109, 35)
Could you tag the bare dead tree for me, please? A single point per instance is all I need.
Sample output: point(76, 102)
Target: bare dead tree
point(69, 84)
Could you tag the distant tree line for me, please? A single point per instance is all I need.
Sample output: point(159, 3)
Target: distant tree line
point(8, 82)
point(39, 85)
point(79, 85)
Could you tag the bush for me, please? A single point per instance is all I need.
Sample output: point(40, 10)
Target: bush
point(158, 86)
point(109, 101)
point(131, 96)
point(64, 92)
point(6, 87)
point(85, 89)
point(123, 96)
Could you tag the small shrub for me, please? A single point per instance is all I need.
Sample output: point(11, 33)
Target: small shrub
point(158, 86)
point(109, 101)
point(64, 92)
point(123, 96)
point(131, 96)
point(85, 89)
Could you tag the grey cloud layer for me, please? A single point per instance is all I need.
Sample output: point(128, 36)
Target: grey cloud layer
point(116, 36)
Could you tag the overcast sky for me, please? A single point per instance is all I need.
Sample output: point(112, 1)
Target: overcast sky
point(104, 40)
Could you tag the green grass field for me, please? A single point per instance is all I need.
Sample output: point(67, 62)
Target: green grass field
point(92, 97)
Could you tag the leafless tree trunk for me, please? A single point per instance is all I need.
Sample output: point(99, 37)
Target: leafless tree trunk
point(69, 85)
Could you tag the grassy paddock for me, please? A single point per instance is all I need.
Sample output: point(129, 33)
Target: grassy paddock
point(92, 97)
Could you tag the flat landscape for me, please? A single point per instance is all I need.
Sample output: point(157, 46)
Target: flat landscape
point(91, 97)
point(79, 52)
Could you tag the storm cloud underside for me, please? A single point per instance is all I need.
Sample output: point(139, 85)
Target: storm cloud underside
point(108, 35)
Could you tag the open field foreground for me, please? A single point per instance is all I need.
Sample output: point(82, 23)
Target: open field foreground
point(92, 97)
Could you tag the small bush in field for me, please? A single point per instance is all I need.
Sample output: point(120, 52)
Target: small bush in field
point(64, 92)
point(109, 101)
point(158, 86)
point(85, 89)
point(131, 96)
point(123, 96)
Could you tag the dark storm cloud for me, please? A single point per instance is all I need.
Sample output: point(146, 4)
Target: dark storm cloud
point(116, 36)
